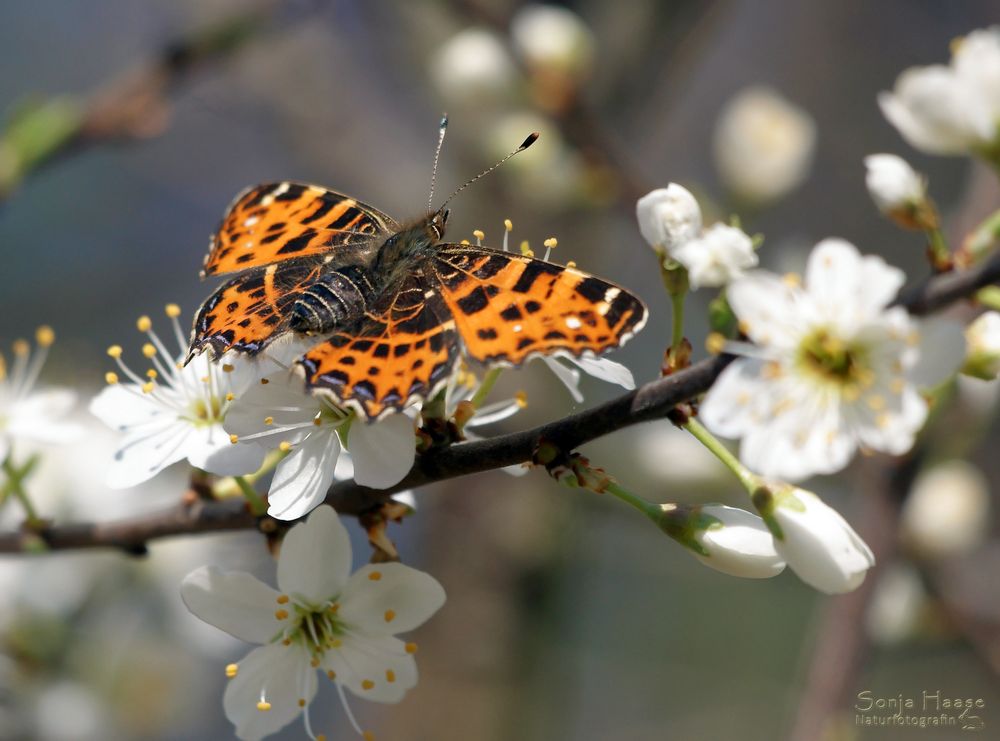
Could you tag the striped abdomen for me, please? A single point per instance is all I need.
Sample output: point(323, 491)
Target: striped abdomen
point(335, 300)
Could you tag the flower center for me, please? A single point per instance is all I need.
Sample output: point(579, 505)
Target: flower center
point(206, 411)
point(829, 357)
point(318, 630)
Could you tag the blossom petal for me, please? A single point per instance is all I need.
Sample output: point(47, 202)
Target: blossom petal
point(282, 401)
point(569, 377)
point(843, 282)
point(383, 452)
point(376, 668)
point(389, 598)
point(301, 480)
point(730, 407)
point(209, 448)
point(121, 406)
point(279, 674)
point(315, 558)
point(237, 602)
point(770, 310)
point(942, 350)
point(147, 451)
point(606, 370)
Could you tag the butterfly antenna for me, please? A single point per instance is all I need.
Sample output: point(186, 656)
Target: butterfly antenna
point(531, 139)
point(442, 128)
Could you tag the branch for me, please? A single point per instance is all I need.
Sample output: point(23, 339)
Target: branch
point(132, 107)
point(651, 401)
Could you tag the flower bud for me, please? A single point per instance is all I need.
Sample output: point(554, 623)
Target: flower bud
point(727, 539)
point(553, 39)
point(818, 544)
point(669, 217)
point(899, 191)
point(763, 145)
point(720, 255)
point(947, 512)
point(473, 65)
point(983, 338)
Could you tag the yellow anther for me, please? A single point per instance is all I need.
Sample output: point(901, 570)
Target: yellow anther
point(336, 643)
point(478, 234)
point(147, 388)
point(111, 378)
point(144, 324)
point(302, 702)
point(205, 379)
point(286, 641)
point(317, 420)
point(896, 385)
point(284, 446)
point(465, 241)
point(314, 662)
point(148, 350)
point(375, 575)
point(3, 368)
point(333, 608)
point(231, 670)
point(367, 684)
point(151, 374)
point(230, 396)
point(389, 616)
point(526, 249)
point(368, 736)
point(792, 280)
point(390, 675)
point(571, 264)
point(715, 343)
point(331, 674)
point(21, 347)
point(282, 599)
point(875, 402)
point(508, 225)
point(521, 397)
point(173, 310)
point(264, 382)
point(44, 335)
point(269, 420)
point(263, 706)
point(551, 243)
point(743, 326)
point(852, 392)
point(883, 420)
point(234, 439)
point(411, 648)
point(227, 368)
point(281, 614)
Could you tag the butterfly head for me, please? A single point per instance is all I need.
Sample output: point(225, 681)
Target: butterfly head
point(437, 222)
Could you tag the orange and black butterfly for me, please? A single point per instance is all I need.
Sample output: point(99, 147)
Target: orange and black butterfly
point(392, 306)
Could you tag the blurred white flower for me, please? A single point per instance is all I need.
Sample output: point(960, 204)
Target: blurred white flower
point(603, 369)
point(832, 366)
point(173, 412)
point(323, 619)
point(30, 414)
point(552, 38)
point(983, 339)
point(953, 109)
point(896, 607)
point(722, 254)
point(310, 428)
point(473, 65)
point(727, 539)
point(893, 184)
point(948, 510)
point(668, 218)
point(763, 145)
point(816, 542)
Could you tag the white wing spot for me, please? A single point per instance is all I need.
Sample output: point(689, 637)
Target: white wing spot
point(250, 221)
point(573, 322)
point(602, 308)
point(611, 294)
point(516, 328)
point(428, 294)
point(280, 190)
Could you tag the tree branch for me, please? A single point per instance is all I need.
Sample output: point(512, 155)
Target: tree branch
point(650, 401)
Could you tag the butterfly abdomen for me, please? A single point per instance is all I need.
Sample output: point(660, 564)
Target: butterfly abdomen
point(333, 301)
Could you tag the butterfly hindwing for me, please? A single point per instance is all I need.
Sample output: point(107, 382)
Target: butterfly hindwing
point(508, 307)
point(274, 222)
point(406, 347)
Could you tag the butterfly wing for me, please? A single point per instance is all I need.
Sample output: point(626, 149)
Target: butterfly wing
point(273, 222)
point(406, 347)
point(508, 307)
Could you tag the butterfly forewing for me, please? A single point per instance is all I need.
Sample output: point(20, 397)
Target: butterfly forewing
point(273, 222)
point(508, 307)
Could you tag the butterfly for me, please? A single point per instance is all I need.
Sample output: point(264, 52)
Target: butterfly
point(392, 307)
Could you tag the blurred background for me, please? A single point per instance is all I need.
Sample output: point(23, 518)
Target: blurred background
point(568, 617)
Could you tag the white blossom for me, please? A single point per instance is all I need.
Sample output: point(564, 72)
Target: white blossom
point(735, 542)
point(323, 619)
point(604, 369)
point(722, 254)
point(552, 38)
point(173, 412)
point(833, 367)
point(763, 145)
point(26, 412)
point(669, 217)
point(893, 184)
point(816, 542)
point(472, 65)
point(952, 109)
point(983, 338)
point(897, 605)
point(312, 429)
point(947, 511)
